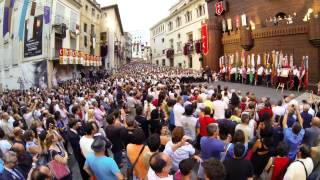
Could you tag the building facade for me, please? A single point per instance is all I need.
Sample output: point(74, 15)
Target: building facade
point(175, 38)
point(139, 41)
point(291, 27)
point(128, 47)
point(112, 33)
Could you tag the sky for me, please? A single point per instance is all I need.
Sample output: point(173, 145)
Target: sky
point(140, 15)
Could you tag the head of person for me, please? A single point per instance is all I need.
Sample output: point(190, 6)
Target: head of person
point(89, 129)
point(315, 122)
point(267, 104)
point(245, 118)
point(239, 136)
point(188, 110)
point(110, 119)
point(99, 144)
point(51, 138)
point(153, 142)
point(2, 133)
point(304, 151)
point(139, 110)
point(213, 130)
point(149, 98)
point(207, 111)
point(130, 122)
point(161, 164)
point(17, 132)
point(138, 136)
point(186, 166)
point(282, 149)
point(10, 159)
point(296, 128)
point(28, 135)
point(219, 96)
point(57, 115)
point(41, 173)
point(238, 150)
point(214, 169)
point(164, 130)
point(74, 124)
point(228, 113)
point(177, 134)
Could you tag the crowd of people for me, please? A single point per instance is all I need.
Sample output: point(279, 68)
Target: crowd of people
point(150, 122)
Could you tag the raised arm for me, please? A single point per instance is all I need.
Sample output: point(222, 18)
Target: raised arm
point(285, 120)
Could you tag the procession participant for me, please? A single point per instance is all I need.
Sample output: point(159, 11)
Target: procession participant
point(232, 74)
point(260, 74)
point(248, 74)
point(252, 75)
point(296, 74)
point(267, 73)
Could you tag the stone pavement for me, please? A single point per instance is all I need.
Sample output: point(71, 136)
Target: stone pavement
point(260, 91)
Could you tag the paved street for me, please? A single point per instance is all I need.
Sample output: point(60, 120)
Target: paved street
point(260, 91)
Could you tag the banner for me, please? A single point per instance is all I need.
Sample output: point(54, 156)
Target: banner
point(22, 18)
point(33, 46)
point(204, 34)
point(68, 56)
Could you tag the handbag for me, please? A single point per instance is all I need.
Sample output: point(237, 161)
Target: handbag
point(58, 169)
point(130, 170)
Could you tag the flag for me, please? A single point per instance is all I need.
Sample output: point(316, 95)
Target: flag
point(274, 69)
point(22, 19)
point(302, 71)
point(229, 23)
point(46, 14)
point(243, 20)
point(306, 79)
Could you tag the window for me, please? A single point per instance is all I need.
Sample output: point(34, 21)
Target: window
point(157, 62)
point(85, 41)
point(178, 22)
point(85, 27)
point(188, 16)
point(170, 26)
point(86, 7)
point(73, 21)
point(57, 44)
point(179, 49)
point(163, 62)
point(200, 10)
point(179, 36)
point(163, 51)
point(162, 40)
point(60, 10)
point(93, 13)
point(73, 43)
point(171, 43)
point(92, 30)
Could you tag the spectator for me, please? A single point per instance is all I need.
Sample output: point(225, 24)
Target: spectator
point(238, 137)
point(86, 140)
point(160, 165)
point(293, 136)
point(182, 150)
point(11, 171)
point(214, 169)
point(237, 167)
point(306, 116)
point(141, 119)
point(178, 111)
point(99, 165)
point(5, 145)
point(185, 169)
point(312, 134)
point(219, 107)
point(135, 151)
point(244, 126)
point(302, 167)
point(153, 143)
point(190, 123)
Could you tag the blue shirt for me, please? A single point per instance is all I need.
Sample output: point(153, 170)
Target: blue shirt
point(291, 120)
point(293, 141)
point(307, 118)
point(211, 147)
point(104, 168)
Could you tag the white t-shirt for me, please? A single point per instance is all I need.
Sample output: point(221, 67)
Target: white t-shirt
point(85, 145)
point(189, 124)
point(279, 110)
point(178, 111)
point(296, 170)
point(5, 146)
point(219, 108)
point(247, 131)
point(183, 152)
point(152, 176)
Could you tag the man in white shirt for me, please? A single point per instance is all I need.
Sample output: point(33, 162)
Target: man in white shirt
point(260, 74)
point(178, 111)
point(279, 110)
point(160, 165)
point(219, 107)
point(302, 167)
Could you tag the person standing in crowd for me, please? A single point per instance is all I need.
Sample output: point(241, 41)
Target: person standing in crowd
point(219, 107)
point(99, 165)
point(86, 140)
point(10, 170)
point(293, 136)
point(237, 167)
point(214, 169)
point(307, 118)
point(312, 134)
point(178, 111)
point(302, 167)
point(189, 123)
point(160, 165)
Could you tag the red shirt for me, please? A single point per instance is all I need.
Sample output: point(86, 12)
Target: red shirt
point(204, 121)
point(243, 106)
point(266, 110)
point(280, 167)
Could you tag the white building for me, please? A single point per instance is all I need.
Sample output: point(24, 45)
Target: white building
point(174, 38)
point(140, 40)
point(112, 25)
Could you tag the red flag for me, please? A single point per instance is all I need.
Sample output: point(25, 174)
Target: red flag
point(204, 34)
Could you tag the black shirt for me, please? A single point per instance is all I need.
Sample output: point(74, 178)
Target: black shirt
point(238, 169)
point(126, 136)
point(113, 134)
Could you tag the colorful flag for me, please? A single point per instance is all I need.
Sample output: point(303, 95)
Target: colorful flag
point(46, 14)
point(22, 19)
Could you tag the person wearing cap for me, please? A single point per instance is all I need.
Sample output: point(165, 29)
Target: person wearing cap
point(99, 165)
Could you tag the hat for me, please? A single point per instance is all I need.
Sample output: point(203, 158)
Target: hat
point(98, 144)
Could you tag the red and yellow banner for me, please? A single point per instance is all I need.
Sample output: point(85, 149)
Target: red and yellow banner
point(204, 37)
point(69, 56)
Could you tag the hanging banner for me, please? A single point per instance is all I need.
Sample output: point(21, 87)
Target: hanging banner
point(204, 35)
point(69, 56)
point(33, 44)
